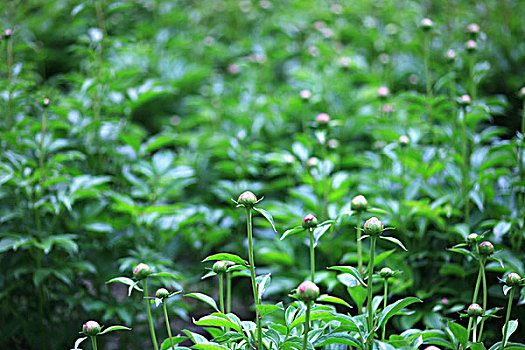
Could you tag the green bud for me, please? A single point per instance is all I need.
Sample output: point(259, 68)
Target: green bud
point(247, 199)
point(307, 291)
point(386, 273)
point(91, 328)
point(474, 310)
point(141, 271)
point(310, 221)
point(373, 226)
point(486, 248)
point(513, 279)
point(162, 293)
point(222, 266)
point(359, 203)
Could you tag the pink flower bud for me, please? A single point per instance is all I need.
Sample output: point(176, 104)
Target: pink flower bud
point(474, 310)
point(473, 28)
point(307, 291)
point(403, 140)
point(141, 271)
point(359, 203)
point(373, 226)
point(310, 221)
point(46, 102)
point(387, 108)
point(472, 238)
point(451, 55)
point(471, 46)
point(8, 33)
point(247, 199)
point(465, 100)
point(322, 118)
point(306, 94)
point(91, 328)
point(233, 68)
point(162, 293)
point(513, 279)
point(486, 248)
point(522, 92)
point(426, 24)
point(386, 273)
point(222, 266)
point(312, 161)
point(382, 92)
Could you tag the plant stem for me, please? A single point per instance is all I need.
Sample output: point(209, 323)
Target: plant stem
point(252, 273)
point(428, 81)
point(384, 307)
point(150, 320)
point(221, 291)
point(475, 321)
point(312, 255)
point(369, 297)
point(484, 281)
point(506, 328)
point(359, 244)
point(9, 114)
point(465, 165)
point(475, 298)
point(521, 170)
point(41, 155)
point(94, 342)
point(228, 292)
point(165, 307)
point(472, 78)
point(306, 325)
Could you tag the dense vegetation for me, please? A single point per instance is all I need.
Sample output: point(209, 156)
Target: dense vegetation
point(128, 126)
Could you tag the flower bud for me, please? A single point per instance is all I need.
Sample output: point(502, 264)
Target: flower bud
point(310, 221)
point(472, 238)
point(513, 279)
point(8, 33)
point(521, 93)
point(474, 310)
point(473, 29)
point(386, 272)
point(359, 203)
point(162, 293)
point(471, 46)
point(46, 102)
point(486, 248)
point(91, 328)
point(247, 199)
point(141, 271)
point(383, 92)
point(465, 100)
point(322, 118)
point(307, 291)
point(306, 94)
point(222, 266)
point(312, 161)
point(373, 226)
point(432, 347)
point(403, 140)
point(426, 24)
point(451, 55)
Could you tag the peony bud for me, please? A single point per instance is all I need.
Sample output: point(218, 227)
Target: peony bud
point(141, 271)
point(359, 203)
point(322, 118)
point(386, 273)
point(306, 94)
point(383, 92)
point(162, 293)
point(513, 279)
point(432, 347)
point(312, 161)
point(222, 266)
point(247, 199)
point(91, 328)
point(8, 33)
point(486, 248)
point(472, 238)
point(310, 221)
point(403, 140)
point(307, 291)
point(521, 93)
point(451, 55)
point(473, 29)
point(471, 46)
point(426, 24)
point(474, 310)
point(465, 100)
point(46, 102)
point(373, 226)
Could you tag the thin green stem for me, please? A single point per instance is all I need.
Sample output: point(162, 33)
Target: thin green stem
point(369, 294)
point(306, 325)
point(521, 170)
point(506, 328)
point(165, 307)
point(385, 296)
point(465, 165)
point(484, 281)
point(359, 244)
point(41, 155)
point(312, 255)
point(9, 114)
point(469, 328)
point(472, 62)
point(150, 319)
point(475, 321)
point(252, 273)
point(228, 292)
point(94, 342)
point(428, 81)
point(221, 291)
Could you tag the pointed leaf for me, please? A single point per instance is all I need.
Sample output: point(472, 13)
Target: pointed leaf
point(395, 241)
point(78, 341)
point(331, 299)
point(513, 325)
point(267, 215)
point(351, 270)
point(166, 344)
point(217, 319)
point(203, 297)
point(292, 231)
point(319, 232)
point(393, 309)
point(337, 338)
point(228, 257)
point(164, 274)
point(209, 346)
point(114, 328)
point(265, 309)
point(262, 283)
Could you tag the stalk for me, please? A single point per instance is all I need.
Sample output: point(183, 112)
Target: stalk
point(521, 170)
point(228, 292)
point(474, 331)
point(221, 291)
point(312, 255)
point(150, 320)
point(465, 165)
point(306, 325)
point(472, 80)
point(252, 273)
point(359, 244)
point(484, 281)
point(428, 81)
point(369, 297)
point(94, 342)
point(506, 328)
point(384, 307)
point(41, 155)
point(474, 299)
point(9, 113)
point(167, 322)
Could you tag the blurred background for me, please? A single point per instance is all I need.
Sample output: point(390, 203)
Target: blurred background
point(161, 111)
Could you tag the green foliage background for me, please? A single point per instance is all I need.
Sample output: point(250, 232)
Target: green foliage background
point(161, 111)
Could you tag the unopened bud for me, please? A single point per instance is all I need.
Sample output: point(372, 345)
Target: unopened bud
point(473, 29)
point(386, 272)
point(322, 118)
point(486, 248)
point(141, 271)
point(162, 293)
point(471, 46)
point(310, 221)
point(451, 55)
point(306, 94)
point(46, 102)
point(222, 266)
point(472, 238)
point(465, 100)
point(359, 203)
point(247, 199)
point(91, 328)
point(373, 226)
point(404, 140)
point(474, 310)
point(307, 291)
point(426, 24)
point(513, 279)
point(521, 93)
point(8, 33)
point(383, 92)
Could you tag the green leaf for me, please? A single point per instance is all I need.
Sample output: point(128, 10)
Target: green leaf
point(337, 338)
point(393, 309)
point(166, 344)
point(267, 215)
point(114, 328)
point(228, 257)
point(331, 299)
point(351, 270)
point(203, 297)
point(462, 251)
point(477, 346)
point(209, 346)
point(395, 241)
point(319, 232)
point(292, 231)
point(513, 325)
point(262, 283)
point(318, 315)
point(217, 319)
point(164, 274)
point(124, 280)
point(459, 332)
point(77, 343)
point(266, 309)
